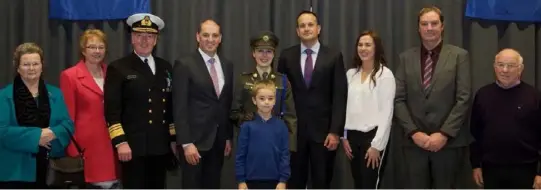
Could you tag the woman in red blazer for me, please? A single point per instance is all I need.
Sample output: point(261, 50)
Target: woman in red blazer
point(82, 86)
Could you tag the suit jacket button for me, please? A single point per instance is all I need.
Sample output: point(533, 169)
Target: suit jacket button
point(149, 121)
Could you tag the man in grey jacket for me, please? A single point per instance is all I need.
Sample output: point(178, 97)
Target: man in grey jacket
point(433, 89)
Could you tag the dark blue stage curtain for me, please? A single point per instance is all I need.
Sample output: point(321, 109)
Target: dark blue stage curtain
point(505, 10)
point(96, 9)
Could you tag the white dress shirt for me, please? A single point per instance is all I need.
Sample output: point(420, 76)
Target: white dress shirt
point(315, 52)
point(151, 62)
point(217, 65)
point(369, 106)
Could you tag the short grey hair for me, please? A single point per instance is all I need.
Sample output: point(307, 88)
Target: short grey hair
point(26, 48)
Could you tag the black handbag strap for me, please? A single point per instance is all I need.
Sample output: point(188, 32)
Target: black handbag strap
point(79, 149)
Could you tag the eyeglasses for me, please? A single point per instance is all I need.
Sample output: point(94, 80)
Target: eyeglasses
point(503, 65)
point(100, 48)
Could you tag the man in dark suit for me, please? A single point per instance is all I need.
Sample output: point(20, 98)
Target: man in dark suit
point(433, 88)
point(318, 80)
point(137, 98)
point(202, 97)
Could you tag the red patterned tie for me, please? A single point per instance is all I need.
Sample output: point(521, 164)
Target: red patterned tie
point(427, 77)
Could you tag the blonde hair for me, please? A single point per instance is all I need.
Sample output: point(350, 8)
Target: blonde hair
point(89, 33)
point(26, 48)
point(263, 84)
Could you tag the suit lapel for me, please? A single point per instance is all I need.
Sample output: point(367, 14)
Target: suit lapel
point(142, 68)
point(416, 68)
point(297, 69)
point(227, 74)
point(161, 73)
point(440, 66)
point(321, 59)
point(201, 67)
point(83, 75)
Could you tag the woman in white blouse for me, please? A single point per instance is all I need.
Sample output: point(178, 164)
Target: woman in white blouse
point(371, 91)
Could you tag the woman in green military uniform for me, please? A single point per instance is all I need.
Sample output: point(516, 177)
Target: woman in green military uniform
point(263, 50)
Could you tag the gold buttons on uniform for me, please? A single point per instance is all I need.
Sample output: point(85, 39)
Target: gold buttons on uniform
point(163, 100)
point(149, 100)
point(163, 90)
point(149, 111)
point(163, 111)
point(149, 121)
point(163, 122)
point(149, 90)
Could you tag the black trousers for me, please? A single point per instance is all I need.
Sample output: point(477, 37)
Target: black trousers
point(22, 185)
point(518, 176)
point(146, 172)
point(364, 177)
point(261, 184)
point(206, 174)
point(320, 160)
point(432, 170)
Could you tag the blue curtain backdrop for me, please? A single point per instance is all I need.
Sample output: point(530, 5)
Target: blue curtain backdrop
point(96, 9)
point(506, 10)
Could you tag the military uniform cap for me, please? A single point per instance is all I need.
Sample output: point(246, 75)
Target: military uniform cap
point(145, 22)
point(264, 39)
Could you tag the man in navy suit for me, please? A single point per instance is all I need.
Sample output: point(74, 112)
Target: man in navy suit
point(202, 97)
point(318, 80)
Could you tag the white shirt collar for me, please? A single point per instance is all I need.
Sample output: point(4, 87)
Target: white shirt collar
point(207, 57)
point(143, 58)
point(315, 48)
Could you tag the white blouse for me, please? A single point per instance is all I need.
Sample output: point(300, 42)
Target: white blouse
point(369, 106)
point(99, 82)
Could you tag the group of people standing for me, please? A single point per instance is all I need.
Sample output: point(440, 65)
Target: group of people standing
point(138, 116)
